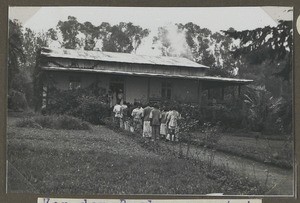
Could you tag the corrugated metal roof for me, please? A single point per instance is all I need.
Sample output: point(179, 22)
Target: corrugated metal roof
point(206, 78)
point(120, 57)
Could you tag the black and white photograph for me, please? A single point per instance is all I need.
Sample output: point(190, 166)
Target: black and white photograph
point(150, 100)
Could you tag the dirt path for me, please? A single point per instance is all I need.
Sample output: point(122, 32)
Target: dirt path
point(278, 180)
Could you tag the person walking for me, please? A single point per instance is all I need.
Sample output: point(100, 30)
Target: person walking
point(155, 116)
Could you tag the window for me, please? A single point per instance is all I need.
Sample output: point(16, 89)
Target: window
point(166, 90)
point(74, 83)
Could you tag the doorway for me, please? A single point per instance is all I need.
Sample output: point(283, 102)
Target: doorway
point(117, 90)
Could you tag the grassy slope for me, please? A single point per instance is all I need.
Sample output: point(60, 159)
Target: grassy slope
point(104, 162)
point(275, 152)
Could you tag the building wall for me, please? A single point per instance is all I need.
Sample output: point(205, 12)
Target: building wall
point(62, 79)
point(155, 88)
point(185, 90)
point(182, 90)
point(135, 88)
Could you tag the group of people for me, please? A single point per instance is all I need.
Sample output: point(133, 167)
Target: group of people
point(151, 121)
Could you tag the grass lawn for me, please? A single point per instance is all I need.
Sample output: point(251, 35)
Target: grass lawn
point(273, 151)
point(101, 161)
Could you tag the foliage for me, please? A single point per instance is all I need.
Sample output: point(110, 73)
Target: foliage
point(18, 78)
point(122, 37)
point(269, 43)
point(31, 46)
point(199, 40)
point(228, 114)
point(186, 125)
point(262, 55)
point(265, 113)
point(69, 30)
point(17, 100)
point(91, 33)
point(91, 109)
point(256, 110)
point(15, 51)
point(79, 103)
point(212, 134)
point(23, 46)
point(54, 122)
point(268, 51)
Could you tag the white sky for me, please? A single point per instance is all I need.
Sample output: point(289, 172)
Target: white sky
point(213, 18)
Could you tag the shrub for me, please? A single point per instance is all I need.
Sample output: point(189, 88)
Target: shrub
point(212, 134)
point(27, 122)
point(266, 113)
point(17, 101)
point(78, 103)
point(229, 114)
point(91, 109)
point(186, 126)
point(71, 123)
point(111, 123)
point(45, 121)
point(61, 102)
point(55, 122)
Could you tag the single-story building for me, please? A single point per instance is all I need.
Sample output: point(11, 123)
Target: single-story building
point(139, 78)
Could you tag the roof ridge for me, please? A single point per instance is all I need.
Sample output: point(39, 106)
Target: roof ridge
point(120, 53)
point(120, 57)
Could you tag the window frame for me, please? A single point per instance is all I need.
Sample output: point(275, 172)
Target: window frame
point(166, 89)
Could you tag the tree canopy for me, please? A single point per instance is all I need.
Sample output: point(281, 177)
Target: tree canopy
point(123, 37)
point(272, 44)
point(15, 51)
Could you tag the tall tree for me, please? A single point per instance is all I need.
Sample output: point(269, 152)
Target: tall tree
point(91, 33)
point(272, 44)
point(18, 77)
point(15, 52)
point(69, 30)
point(52, 34)
point(124, 37)
point(268, 53)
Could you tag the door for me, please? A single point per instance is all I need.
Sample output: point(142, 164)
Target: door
point(117, 89)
